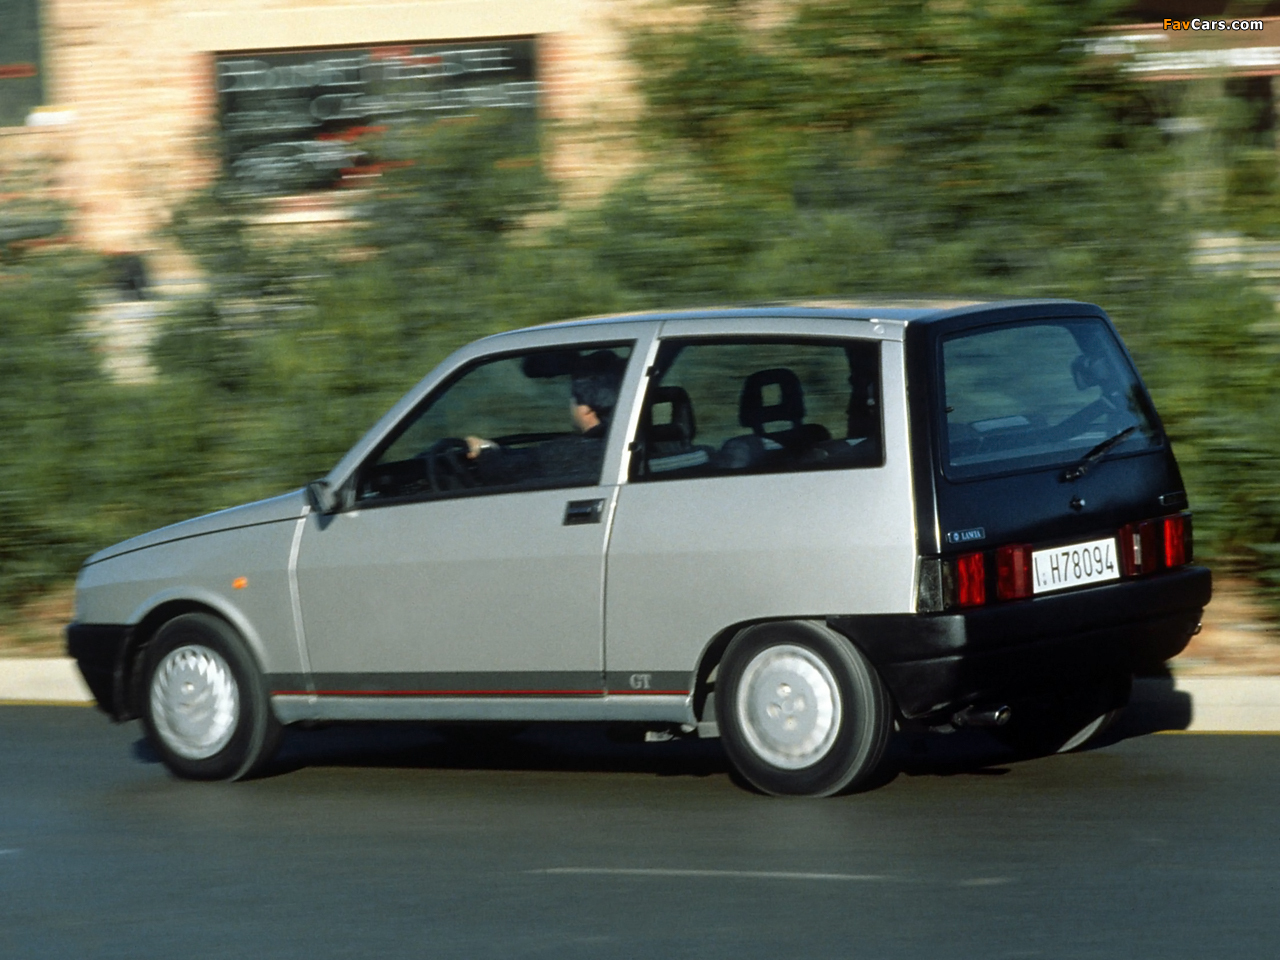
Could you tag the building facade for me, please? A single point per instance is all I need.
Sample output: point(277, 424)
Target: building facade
point(119, 101)
point(119, 108)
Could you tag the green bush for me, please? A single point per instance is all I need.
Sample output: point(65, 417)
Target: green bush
point(849, 149)
point(302, 342)
point(50, 388)
point(909, 147)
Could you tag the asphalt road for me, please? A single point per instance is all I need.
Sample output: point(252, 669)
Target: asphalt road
point(402, 843)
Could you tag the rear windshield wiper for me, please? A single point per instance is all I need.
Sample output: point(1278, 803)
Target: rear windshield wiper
point(1093, 456)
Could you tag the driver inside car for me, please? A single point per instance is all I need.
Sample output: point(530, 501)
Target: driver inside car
point(593, 396)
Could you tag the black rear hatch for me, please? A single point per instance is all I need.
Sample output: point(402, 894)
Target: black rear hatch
point(1032, 427)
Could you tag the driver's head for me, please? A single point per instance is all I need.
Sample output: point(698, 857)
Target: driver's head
point(595, 383)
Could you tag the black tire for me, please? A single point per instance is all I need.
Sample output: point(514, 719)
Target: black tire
point(1067, 719)
point(801, 712)
point(203, 702)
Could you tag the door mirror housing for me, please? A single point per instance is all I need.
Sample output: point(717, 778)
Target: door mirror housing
point(323, 498)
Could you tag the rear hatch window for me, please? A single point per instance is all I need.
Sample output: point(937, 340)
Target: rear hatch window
point(1040, 394)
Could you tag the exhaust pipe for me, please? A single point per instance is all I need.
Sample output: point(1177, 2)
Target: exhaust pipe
point(982, 717)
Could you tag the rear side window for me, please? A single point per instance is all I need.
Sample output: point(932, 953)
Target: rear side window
point(1040, 394)
point(729, 407)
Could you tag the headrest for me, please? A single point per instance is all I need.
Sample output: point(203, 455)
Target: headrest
point(675, 423)
point(787, 405)
point(1093, 371)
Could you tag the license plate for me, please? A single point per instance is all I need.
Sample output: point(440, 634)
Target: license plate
point(1074, 564)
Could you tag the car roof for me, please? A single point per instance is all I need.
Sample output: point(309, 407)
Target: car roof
point(902, 310)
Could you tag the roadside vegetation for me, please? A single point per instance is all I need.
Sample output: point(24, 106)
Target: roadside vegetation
point(852, 149)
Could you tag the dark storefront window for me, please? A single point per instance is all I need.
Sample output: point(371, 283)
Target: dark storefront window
point(294, 121)
point(21, 87)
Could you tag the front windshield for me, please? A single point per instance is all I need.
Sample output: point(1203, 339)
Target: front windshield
point(1039, 394)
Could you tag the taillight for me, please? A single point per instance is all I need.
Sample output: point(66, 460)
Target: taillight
point(960, 582)
point(1155, 544)
point(971, 580)
point(1140, 547)
point(1177, 540)
point(1013, 571)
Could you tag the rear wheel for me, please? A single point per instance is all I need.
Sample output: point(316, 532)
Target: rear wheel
point(801, 712)
point(204, 706)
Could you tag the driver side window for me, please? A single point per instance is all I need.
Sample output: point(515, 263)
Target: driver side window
point(503, 424)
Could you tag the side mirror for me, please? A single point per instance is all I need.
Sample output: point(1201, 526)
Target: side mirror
point(323, 498)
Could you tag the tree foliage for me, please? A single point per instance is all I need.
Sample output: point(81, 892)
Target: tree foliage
point(969, 147)
point(49, 383)
point(965, 147)
point(302, 341)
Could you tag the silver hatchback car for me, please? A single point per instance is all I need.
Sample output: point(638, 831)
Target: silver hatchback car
point(794, 527)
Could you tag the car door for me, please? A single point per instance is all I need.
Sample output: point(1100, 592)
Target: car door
point(768, 481)
point(469, 561)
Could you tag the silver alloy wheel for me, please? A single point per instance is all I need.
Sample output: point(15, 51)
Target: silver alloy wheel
point(195, 703)
point(788, 706)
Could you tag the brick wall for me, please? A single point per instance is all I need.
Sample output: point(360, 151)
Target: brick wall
point(135, 78)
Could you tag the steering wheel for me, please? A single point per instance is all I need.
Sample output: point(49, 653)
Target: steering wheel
point(448, 466)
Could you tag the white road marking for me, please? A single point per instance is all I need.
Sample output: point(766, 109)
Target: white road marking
point(986, 881)
point(728, 874)
point(3, 852)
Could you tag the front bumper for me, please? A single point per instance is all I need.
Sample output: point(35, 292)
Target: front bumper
point(935, 664)
point(98, 649)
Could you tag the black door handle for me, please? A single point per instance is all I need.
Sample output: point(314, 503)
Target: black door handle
point(583, 511)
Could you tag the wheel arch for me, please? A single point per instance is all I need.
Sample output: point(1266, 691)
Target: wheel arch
point(713, 653)
point(147, 625)
point(795, 665)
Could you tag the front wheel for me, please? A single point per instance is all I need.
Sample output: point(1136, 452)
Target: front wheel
point(801, 712)
point(204, 706)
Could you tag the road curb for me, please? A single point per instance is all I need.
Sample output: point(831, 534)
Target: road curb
point(1209, 704)
point(44, 680)
point(1195, 704)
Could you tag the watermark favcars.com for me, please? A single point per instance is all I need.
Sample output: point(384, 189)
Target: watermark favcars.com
point(1198, 24)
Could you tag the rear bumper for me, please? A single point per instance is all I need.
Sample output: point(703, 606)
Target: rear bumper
point(935, 664)
point(98, 649)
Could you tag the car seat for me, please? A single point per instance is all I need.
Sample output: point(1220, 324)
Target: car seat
point(670, 444)
point(789, 437)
